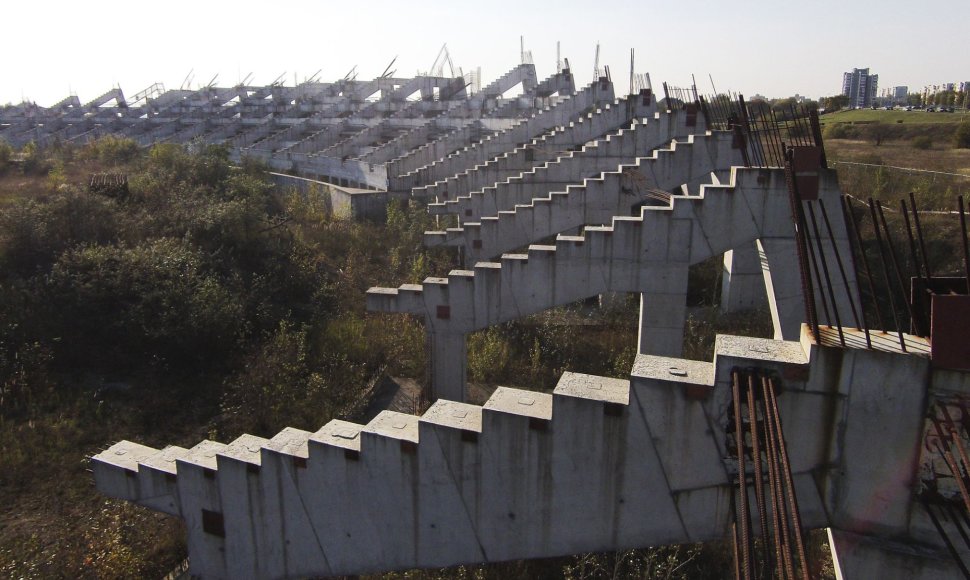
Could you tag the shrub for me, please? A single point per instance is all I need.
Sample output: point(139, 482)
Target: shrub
point(149, 304)
point(6, 152)
point(961, 139)
point(922, 142)
point(835, 131)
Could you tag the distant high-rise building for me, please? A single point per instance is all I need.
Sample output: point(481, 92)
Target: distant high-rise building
point(900, 94)
point(860, 87)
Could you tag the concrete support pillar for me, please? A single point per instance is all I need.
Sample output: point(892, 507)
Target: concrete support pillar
point(855, 556)
point(447, 366)
point(784, 286)
point(743, 282)
point(662, 320)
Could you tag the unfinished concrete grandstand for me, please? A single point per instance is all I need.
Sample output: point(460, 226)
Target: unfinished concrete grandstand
point(832, 424)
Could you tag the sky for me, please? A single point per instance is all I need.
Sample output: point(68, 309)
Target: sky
point(51, 49)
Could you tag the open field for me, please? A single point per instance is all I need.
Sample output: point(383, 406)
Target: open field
point(905, 117)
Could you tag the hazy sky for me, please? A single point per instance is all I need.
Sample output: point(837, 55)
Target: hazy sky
point(51, 49)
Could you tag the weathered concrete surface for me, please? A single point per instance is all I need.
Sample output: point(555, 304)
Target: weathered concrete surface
point(647, 254)
point(601, 464)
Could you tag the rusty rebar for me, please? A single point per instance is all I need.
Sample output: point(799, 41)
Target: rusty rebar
point(758, 474)
point(838, 260)
point(792, 496)
point(885, 272)
point(920, 323)
point(779, 519)
point(857, 237)
point(966, 246)
point(825, 271)
point(742, 480)
point(919, 236)
point(899, 274)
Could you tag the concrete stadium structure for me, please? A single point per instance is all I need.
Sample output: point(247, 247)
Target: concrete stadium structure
point(598, 464)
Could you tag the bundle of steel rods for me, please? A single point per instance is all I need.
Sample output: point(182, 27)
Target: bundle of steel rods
point(761, 453)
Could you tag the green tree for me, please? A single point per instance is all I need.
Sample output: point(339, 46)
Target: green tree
point(835, 103)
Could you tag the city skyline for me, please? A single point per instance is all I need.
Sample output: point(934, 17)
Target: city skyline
point(62, 48)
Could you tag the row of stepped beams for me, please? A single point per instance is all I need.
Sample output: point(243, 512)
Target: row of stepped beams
point(601, 464)
point(417, 137)
point(587, 128)
point(571, 168)
point(372, 137)
point(646, 253)
point(287, 136)
point(444, 145)
point(541, 122)
point(594, 201)
point(330, 132)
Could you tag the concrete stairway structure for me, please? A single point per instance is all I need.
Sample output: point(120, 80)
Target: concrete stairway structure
point(649, 254)
point(589, 128)
point(637, 139)
point(509, 220)
point(598, 465)
point(542, 122)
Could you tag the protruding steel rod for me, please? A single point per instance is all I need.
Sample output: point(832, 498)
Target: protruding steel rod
point(825, 271)
point(850, 219)
point(779, 509)
point(966, 246)
point(786, 466)
point(742, 480)
point(919, 235)
point(885, 274)
point(921, 322)
point(838, 259)
point(895, 260)
point(759, 493)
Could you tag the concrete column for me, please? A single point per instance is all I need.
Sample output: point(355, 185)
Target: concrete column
point(662, 319)
point(743, 282)
point(447, 366)
point(784, 286)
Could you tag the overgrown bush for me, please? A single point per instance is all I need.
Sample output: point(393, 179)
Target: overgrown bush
point(961, 138)
point(6, 153)
point(922, 142)
point(148, 304)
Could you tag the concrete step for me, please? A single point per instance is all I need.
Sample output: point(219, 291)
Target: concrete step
point(573, 168)
point(548, 147)
point(644, 253)
point(596, 200)
point(541, 122)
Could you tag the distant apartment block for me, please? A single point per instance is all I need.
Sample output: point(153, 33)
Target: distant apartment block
point(860, 87)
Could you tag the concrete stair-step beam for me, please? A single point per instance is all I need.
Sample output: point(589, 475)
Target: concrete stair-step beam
point(116, 469)
point(389, 457)
point(515, 483)
point(595, 200)
point(543, 121)
point(341, 517)
point(290, 544)
point(592, 462)
point(202, 509)
point(157, 478)
point(240, 488)
point(449, 463)
point(589, 129)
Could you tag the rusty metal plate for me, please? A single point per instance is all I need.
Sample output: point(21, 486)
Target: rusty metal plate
point(806, 161)
point(949, 321)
